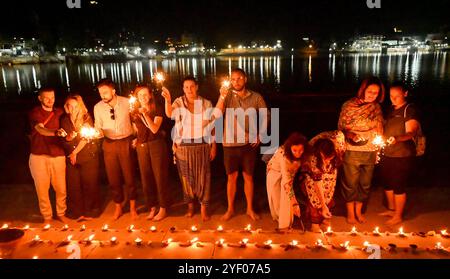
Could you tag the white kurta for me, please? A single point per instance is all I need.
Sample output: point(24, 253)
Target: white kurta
point(279, 182)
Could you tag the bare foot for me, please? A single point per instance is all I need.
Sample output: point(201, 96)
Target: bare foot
point(204, 212)
point(117, 212)
point(48, 221)
point(387, 213)
point(152, 213)
point(190, 211)
point(351, 220)
point(361, 219)
point(227, 216)
point(133, 215)
point(253, 215)
point(394, 221)
point(63, 219)
point(315, 228)
point(205, 217)
point(161, 215)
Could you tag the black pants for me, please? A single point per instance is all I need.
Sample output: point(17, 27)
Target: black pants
point(153, 159)
point(396, 173)
point(119, 164)
point(83, 189)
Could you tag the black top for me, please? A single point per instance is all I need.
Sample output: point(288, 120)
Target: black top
point(144, 134)
point(89, 151)
point(395, 126)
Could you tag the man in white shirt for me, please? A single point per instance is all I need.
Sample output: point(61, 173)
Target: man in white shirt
point(112, 120)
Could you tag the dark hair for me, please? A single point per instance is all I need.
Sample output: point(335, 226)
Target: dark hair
point(45, 89)
point(327, 148)
point(295, 139)
point(152, 104)
point(191, 78)
point(239, 70)
point(399, 84)
point(368, 82)
point(106, 82)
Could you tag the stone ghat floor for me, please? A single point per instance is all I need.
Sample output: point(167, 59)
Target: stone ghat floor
point(172, 240)
point(428, 213)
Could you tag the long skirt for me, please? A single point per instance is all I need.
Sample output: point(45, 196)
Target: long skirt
point(194, 169)
point(279, 201)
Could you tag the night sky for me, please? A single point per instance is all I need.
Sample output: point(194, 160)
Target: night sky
point(221, 22)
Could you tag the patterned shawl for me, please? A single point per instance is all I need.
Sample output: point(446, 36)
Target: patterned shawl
point(356, 115)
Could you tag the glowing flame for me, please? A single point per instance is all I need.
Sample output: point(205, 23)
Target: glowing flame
point(169, 240)
point(366, 243)
point(354, 231)
point(132, 100)
point(69, 238)
point(83, 227)
point(345, 244)
point(105, 228)
point(221, 241)
point(376, 231)
point(329, 231)
point(36, 238)
point(268, 242)
point(5, 226)
point(88, 132)
point(379, 141)
point(444, 233)
point(220, 228)
point(138, 240)
point(319, 243)
point(194, 228)
point(26, 227)
point(248, 228)
point(47, 227)
point(226, 83)
point(65, 227)
point(401, 232)
point(159, 77)
point(35, 257)
point(91, 237)
point(294, 243)
point(244, 241)
point(195, 239)
point(113, 239)
point(439, 246)
point(131, 228)
point(152, 228)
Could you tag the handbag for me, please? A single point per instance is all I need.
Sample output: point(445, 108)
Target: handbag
point(420, 141)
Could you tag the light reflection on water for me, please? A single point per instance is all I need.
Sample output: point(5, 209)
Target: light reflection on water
point(281, 73)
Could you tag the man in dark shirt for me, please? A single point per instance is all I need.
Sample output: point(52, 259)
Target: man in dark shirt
point(47, 162)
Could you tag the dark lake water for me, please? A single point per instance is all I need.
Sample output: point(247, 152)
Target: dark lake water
point(268, 74)
point(309, 90)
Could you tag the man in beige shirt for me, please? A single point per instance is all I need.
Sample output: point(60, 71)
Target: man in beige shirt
point(112, 120)
point(241, 139)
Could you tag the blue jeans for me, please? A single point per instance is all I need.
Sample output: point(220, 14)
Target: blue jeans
point(358, 171)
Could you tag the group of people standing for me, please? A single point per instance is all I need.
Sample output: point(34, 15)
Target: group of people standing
point(352, 150)
point(60, 154)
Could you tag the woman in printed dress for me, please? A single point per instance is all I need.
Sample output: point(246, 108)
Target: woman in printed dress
point(319, 174)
